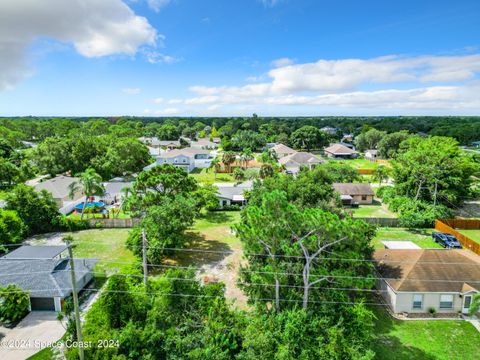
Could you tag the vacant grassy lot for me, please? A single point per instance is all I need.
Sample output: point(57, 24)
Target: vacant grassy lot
point(358, 163)
point(377, 211)
point(421, 237)
point(209, 176)
point(472, 234)
point(424, 340)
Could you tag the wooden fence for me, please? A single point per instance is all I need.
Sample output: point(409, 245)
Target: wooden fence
point(113, 223)
point(449, 226)
point(366, 171)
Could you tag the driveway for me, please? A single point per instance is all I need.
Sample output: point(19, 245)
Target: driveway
point(31, 335)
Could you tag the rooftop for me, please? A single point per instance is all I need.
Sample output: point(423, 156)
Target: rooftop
point(353, 189)
point(339, 149)
point(300, 159)
point(35, 252)
point(429, 270)
point(283, 149)
point(58, 186)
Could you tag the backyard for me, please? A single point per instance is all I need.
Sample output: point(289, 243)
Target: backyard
point(374, 211)
point(472, 234)
point(421, 237)
point(209, 176)
point(423, 339)
point(358, 163)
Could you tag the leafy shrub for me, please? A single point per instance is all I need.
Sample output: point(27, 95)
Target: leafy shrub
point(14, 303)
point(69, 224)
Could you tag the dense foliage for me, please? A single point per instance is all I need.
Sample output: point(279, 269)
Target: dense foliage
point(14, 303)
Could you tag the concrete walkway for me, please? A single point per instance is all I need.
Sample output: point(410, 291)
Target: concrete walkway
point(33, 333)
point(474, 321)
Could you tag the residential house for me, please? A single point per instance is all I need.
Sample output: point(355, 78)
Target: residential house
point(282, 150)
point(114, 190)
point(347, 138)
point(415, 281)
point(340, 151)
point(44, 272)
point(475, 144)
point(204, 144)
point(155, 143)
point(229, 194)
point(187, 159)
point(295, 161)
point(59, 187)
point(354, 193)
point(371, 155)
point(329, 130)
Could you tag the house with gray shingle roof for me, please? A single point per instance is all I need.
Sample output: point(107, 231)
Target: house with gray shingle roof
point(415, 280)
point(282, 150)
point(46, 277)
point(354, 193)
point(187, 159)
point(59, 187)
point(294, 162)
point(229, 194)
point(340, 151)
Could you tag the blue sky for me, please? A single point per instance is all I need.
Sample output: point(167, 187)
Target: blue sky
point(222, 58)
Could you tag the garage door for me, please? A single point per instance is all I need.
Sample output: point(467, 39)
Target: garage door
point(42, 304)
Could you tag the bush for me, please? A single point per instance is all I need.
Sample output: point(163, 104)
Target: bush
point(69, 224)
point(432, 311)
point(14, 303)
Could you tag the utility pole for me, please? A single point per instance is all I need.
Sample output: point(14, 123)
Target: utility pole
point(75, 303)
point(435, 196)
point(144, 253)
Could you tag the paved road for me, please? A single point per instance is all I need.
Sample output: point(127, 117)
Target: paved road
point(30, 336)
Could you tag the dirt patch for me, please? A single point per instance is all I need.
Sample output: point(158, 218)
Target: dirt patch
point(55, 238)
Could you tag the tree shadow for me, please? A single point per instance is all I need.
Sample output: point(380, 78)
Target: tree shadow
point(217, 217)
point(389, 347)
point(211, 252)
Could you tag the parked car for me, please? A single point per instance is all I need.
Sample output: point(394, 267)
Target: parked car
point(446, 240)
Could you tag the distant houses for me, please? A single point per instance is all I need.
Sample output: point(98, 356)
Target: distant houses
point(187, 159)
point(420, 281)
point(155, 143)
point(282, 150)
point(204, 144)
point(44, 271)
point(371, 155)
point(340, 151)
point(354, 193)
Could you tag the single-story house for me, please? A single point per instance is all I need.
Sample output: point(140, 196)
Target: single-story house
point(187, 159)
point(204, 144)
point(282, 150)
point(59, 187)
point(371, 155)
point(293, 162)
point(354, 193)
point(114, 191)
point(45, 274)
point(229, 194)
point(339, 151)
point(475, 144)
point(329, 130)
point(155, 143)
point(415, 281)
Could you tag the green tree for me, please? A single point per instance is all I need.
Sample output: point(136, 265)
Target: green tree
point(340, 172)
point(90, 184)
point(12, 228)
point(228, 158)
point(369, 139)
point(53, 156)
point(246, 156)
point(475, 305)
point(37, 210)
point(309, 138)
point(390, 143)
point(14, 303)
point(381, 174)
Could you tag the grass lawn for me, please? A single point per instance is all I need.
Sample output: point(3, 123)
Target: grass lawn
point(106, 245)
point(421, 237)
point(377, 211)
point(44, 354)
point(424, 340)
point(472, 234)
point(208, 176)
point(358, 163)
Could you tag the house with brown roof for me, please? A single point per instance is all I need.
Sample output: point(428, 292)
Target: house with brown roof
point(339, 151)
point(282, 150)
point(415, 281)
point(59, 187)
point(294, 162)
point(354, 193)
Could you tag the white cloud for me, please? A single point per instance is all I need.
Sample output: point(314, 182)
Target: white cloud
point(167, 111)
point(391, 82)
point(282, 62)
point(157, 5)
point(95, 28)
point(270, 3)
point(155, 57)
point(131, 91)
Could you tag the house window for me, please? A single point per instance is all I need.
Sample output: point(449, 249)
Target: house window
point(446, 301)
point(417, 301)
point(364, 197)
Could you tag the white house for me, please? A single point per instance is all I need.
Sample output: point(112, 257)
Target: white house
point(187, 159)
point(229, 194)
point(415, 281)
point(371, 155)
point(293, 162)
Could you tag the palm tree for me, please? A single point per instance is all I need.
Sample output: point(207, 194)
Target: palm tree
point(228, 159)
point(90, 184)
point(247, 156)
point(214, 165)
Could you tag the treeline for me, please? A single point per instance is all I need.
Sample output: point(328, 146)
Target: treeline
point(462, 128)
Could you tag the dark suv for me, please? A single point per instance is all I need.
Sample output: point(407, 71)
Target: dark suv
point(446, 240)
